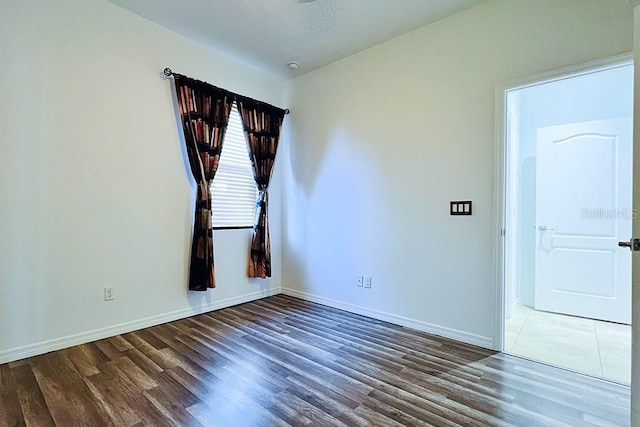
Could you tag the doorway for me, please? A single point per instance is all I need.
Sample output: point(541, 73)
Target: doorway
point(568, 173)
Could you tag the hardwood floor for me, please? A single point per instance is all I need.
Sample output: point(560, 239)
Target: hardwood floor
point(284, 361)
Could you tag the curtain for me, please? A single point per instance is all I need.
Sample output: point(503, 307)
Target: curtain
point(204, 111)
point(262, 123)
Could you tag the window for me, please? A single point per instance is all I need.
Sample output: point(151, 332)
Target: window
point(234, 191)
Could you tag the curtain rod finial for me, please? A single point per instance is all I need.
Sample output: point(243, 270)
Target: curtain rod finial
point(167, 72)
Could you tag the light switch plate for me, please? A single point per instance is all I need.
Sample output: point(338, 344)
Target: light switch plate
point(461, 207)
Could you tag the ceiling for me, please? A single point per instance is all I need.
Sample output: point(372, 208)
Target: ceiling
point(271, 33)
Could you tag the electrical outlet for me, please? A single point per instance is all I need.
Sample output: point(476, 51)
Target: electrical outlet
point(108, 293)
point(359, 280)
point(367, 282)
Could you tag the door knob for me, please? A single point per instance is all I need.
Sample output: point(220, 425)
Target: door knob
point(633, 244)
point(544, 228)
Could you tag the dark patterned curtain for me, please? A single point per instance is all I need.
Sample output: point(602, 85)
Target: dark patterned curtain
point(262, 123)
point(204, 110)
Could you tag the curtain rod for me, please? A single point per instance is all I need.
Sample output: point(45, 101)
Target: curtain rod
point(168, 73)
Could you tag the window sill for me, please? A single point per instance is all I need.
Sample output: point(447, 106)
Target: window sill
point(247, 227)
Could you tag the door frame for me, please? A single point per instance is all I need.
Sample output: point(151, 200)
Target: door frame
point(501, 163)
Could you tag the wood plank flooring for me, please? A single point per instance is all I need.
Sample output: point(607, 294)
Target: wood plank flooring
point(283, 361)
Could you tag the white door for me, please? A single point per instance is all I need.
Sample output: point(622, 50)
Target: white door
point(583, 208)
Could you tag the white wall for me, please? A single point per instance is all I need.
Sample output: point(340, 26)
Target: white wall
point(93, 181)
point(598, 96)
point(380, 142)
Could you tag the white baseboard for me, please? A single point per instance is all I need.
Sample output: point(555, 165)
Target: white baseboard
point(511, 308)
point(514, 306)
point(35, 349)
point(454, 334)
point(42, 347)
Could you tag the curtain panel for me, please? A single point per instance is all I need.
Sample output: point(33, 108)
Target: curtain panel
point(204, 112)
point(262, 124)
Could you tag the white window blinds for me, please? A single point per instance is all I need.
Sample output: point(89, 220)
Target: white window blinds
point(234, 191)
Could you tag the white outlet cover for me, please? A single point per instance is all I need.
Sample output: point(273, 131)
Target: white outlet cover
point(367, 282)
point(359, 281)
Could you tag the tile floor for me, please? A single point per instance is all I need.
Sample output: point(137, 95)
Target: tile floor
point(589, 346)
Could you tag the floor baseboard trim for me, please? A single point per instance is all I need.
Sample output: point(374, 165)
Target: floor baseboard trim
point(514, 306)
point(42, 347)
point(454, 334)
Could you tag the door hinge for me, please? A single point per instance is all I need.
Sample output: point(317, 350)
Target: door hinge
point(503, 232)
